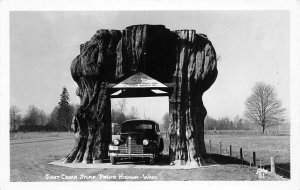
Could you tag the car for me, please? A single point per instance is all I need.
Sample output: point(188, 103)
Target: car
point(138, 139)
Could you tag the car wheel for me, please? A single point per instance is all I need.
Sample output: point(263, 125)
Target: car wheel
point(151, 161)
point(147, 161)
point(161, 146)
point(113, 160)
point(159, 157)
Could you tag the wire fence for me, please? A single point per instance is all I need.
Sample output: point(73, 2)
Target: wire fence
point(275, 162)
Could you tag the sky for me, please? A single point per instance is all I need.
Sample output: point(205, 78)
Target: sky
point(251, 46)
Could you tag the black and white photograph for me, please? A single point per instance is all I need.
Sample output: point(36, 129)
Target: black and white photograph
point(141, 96)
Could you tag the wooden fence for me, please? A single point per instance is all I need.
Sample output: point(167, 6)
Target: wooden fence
point(249, 157)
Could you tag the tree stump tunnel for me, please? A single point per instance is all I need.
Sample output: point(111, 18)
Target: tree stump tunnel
point(181, 57)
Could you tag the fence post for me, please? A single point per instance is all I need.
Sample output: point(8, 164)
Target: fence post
point(220, 150)
point(260, 162)
point(209, 146)
point(273, 165)
point(230, 150)
point(241, 154)
point(254, 159)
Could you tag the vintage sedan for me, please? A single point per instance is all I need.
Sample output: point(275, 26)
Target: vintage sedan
point(137, 139)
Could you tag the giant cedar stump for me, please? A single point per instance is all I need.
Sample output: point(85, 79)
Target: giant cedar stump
point(181, 57)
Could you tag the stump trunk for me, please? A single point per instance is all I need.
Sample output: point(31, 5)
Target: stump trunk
point(181, 57)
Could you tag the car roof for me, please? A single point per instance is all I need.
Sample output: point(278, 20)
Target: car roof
point(139, 121)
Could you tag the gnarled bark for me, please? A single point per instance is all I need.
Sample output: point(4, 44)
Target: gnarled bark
point(181, 57)
point(196, 70)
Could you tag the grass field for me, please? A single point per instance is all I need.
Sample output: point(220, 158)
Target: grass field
point(265, 146)
point(29, 161)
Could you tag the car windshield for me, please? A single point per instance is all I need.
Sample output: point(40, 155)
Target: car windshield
point(139, 128)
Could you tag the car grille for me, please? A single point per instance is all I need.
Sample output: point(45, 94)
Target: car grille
point(131, 147)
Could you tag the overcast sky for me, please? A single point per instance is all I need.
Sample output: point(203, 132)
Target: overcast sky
point(252, 45)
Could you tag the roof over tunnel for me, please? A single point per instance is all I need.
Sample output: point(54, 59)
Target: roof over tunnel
point(140, 85)
point(140, 80)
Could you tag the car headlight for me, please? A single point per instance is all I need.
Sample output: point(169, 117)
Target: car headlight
point(116, 142)
point(145, 142)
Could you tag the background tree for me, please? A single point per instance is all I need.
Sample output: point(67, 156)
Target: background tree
point(53, 122)
point(238, 122)
point(225, 124)
point(133, 114)
point(117, 112)
point(15, 118)
point(166, 122)
point(34, 120)
point(74, 109)
point(210, 123)
point(263, 107)
point(64, 111)
point(53, 115)
point(117, 116)
point(122, 103)
point(42, 118)
point(32, 116)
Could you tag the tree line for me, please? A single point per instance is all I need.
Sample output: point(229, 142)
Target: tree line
point(36, 119)
point(262, 108)
point(225, 123)
point(118, 112)
point(210, 123)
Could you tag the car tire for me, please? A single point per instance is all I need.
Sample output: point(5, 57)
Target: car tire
point(159, 158)
point(147, 161)
point(161, 146)
point(113, 160)
point(151, 161)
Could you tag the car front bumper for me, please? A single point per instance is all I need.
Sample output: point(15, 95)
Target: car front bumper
point(122, 155)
